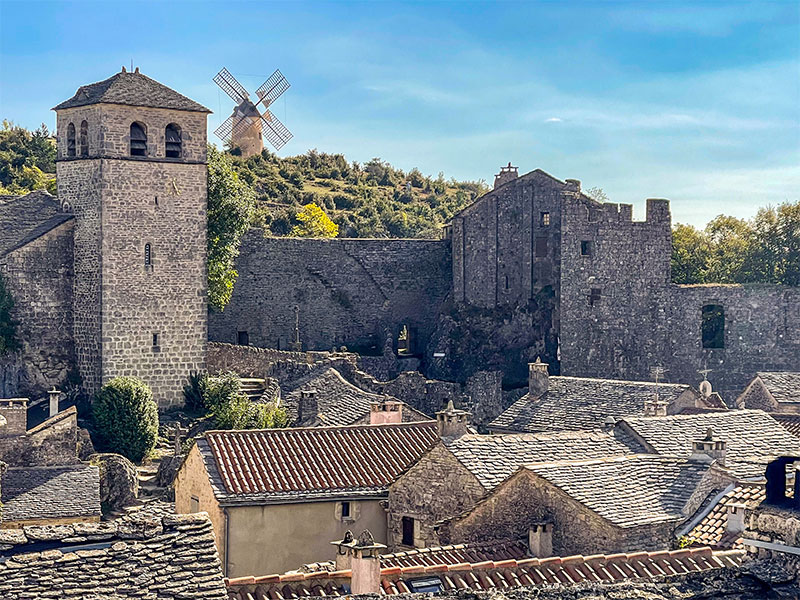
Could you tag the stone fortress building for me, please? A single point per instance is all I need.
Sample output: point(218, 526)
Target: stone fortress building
point(110, 278)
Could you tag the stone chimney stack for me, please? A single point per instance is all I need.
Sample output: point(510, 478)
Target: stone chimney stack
point(308, 406)
point(15, 412)
point(735, 522)
point(540, 540)
point(54, 397)
point(452, 422)
point(573, 185)
point(385, 411)
point(709, 449)
point(655, 407)
point(538, 379)
point(363, 555)
point(505, 175)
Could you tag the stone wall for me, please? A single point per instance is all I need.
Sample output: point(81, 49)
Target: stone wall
point(437, 487)
point(779, 528)
point(39, 276)
point(54, 442)
point(133, 318)
point(526, 499)
point(357, 293)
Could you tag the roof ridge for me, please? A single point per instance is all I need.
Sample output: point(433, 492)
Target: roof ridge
point(324, 428)
point(620, 381)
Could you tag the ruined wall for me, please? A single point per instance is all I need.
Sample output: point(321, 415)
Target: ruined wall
point(528, 499)
point(54, 442)
point(39, 276)
point(351, 292)
point(777, 530)
point(437, 487)
point(133, 319)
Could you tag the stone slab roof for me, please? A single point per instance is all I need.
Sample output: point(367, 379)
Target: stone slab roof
point(784, 386)
point(62, 492)
point(711, 530)
point(628, 491)
point(25, 218)
point(493, 458)
point(753, 437)
point(133, 89)
point(582, 403)
point(173, 558)
point(312, 462)
point(339, 402)
point(494, 575)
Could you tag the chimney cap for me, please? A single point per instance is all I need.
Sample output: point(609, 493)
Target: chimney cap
point(365, 543)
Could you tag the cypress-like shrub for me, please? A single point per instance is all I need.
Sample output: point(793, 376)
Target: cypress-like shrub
point(126, 418)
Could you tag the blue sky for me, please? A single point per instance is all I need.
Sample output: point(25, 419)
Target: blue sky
point(696, 102)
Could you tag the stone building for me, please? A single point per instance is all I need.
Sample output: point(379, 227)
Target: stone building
point(535, 268)
point(110, 279)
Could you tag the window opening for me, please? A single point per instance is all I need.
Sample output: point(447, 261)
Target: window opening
point(544, 219)
point(586, 248)
point(148, 258)
point(84, 138)
point(541, 247)
point(71, 139)
point(408, 531)
point(172, 136)
point(138, 140)
point(713, 326)
point(594, 296)
point(242, 338)
point(345, 510)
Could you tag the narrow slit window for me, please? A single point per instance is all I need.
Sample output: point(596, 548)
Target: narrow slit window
point(138, 140)
point(172, 137)
point(586, 248)
point(148, 256)
point(71, 139)
point(506, 282)
point(544, 219)
point(713, 326)
point(84, 138)
point(156, 340)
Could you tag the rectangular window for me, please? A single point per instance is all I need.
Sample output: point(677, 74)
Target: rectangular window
point(345, 510)
point(408, 531)
point(594, 296)
point(586, 248)
point(155, 341)
point(541, 247)
point(713, 326)
point(194, 504)
point(242, 338)
point(544, 219)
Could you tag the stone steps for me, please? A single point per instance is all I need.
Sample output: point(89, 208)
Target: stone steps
point(253, 388)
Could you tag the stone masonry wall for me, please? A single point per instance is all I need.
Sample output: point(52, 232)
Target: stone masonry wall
point(437, 487)
point(131, 318)
point(527, 499)
point(39, 276)
point(352, 292)
point(51, 443)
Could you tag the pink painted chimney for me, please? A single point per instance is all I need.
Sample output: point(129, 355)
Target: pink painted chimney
point(365, 562)
point(385, 411)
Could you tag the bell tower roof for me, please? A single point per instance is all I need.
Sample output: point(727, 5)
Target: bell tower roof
point(133, 89)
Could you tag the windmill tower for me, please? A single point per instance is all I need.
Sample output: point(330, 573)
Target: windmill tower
point(245, 127)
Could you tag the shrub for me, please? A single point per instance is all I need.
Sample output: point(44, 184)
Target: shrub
point(241, 413)
point(194, 391)
point(219, 391)
point(126, 418)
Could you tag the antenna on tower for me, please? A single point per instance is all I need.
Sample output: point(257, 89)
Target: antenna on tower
point(657, 373)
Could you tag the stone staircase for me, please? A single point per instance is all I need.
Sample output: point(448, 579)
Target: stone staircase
point(253, 388)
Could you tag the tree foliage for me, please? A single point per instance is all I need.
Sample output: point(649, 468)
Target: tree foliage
point(313, 222)
point(27, 159)
point(764, 249)
point(8, 325)
point(126, 418)
point(231, 205)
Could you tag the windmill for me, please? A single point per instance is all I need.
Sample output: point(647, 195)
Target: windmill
point(247, 124)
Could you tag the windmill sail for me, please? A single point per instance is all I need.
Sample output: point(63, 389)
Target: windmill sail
point(272, 88)
point(276, 132)
point(230, 86)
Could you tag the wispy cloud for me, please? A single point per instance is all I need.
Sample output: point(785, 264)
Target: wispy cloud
point(553, 120)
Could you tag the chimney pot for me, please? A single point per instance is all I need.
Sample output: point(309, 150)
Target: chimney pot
point(452, 422)
point(54, 397)
point(735, 522)
point(709, 449)
point(538, 379)
point(308, 406)
point(385, 411)
point(540, 540)
point(365, 563)
point(505, 175)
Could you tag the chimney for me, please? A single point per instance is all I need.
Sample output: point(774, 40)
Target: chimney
point(654, 407)
point(573, 184)
point(15, 413)
point(538, 379)
point(452, 422)
point(709, 449)
point(385, 411)
point(540, 540)
point(363, 555)
point(505, 175)
point(735, 522)
point(307, 407)
point(54, 396)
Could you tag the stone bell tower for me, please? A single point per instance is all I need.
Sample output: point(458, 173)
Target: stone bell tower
point(131, 166)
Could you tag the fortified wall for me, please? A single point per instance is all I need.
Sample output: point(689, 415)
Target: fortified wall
point(357, 293)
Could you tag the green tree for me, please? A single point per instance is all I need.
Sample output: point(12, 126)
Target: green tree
point(27, 159)
point(126, 418)
point(231, 204)
point(313, 222)
point(690, 252)
point(729, 239)
point(8, 325)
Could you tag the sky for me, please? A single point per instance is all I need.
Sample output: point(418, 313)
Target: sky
point(695, 102)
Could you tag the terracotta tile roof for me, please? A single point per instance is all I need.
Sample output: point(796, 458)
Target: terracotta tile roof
point(25, 218)
point(133, 89)
point(582, 403)
point(339, 402)
point(628, 491)
point(783, 385)
point(170, 558)
point(491, 575)
point(711, 530)
point(493, 458)
point(62, 492)
point(753, 437)
point(278, 464)
point(790, 422)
